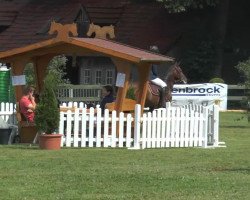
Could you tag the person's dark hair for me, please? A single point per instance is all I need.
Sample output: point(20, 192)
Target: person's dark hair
point(28, 89)
point(109, 89)
point(154, 49)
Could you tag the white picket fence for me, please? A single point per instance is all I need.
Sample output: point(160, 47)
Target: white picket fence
point(189, 126)
point(7, 112)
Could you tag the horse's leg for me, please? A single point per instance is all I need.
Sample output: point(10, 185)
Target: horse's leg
point(168, 96)
point(162, 99)
point(150, 101)
point(159, 103)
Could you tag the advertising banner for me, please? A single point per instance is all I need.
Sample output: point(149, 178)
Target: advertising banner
point(205, 94)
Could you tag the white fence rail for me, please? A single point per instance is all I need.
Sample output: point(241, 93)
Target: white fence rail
point(92, 93)
point(7, 112)
point(188, 126)
point(171, 127)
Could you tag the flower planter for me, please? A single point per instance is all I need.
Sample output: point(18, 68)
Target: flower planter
point(50, 141)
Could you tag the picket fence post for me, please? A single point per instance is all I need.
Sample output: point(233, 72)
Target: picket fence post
point(189, 126)
point(215, 121)
point(205, 127)
point(137, 126)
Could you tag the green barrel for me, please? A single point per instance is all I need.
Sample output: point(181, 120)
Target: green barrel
point(6, 89)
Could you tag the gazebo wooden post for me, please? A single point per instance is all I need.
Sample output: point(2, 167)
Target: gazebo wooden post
point(122, 67)
point(40, 66)
point(143, 71)
point(17, 67)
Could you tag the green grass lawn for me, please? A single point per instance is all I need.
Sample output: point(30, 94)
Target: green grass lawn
point(91, 173)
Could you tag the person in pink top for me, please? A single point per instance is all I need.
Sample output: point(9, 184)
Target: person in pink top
point(27, 104)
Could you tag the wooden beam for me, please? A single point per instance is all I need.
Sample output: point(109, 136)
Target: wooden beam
point(40, 67)
point(59, 49)
point(122, 67)
point(143, 72)
point(17, 68)
point(14, 52)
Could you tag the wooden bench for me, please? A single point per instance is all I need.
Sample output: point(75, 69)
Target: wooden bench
point(128, 105)
point(27, 130)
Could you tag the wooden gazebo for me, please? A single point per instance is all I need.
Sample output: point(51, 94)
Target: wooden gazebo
point(123, 57)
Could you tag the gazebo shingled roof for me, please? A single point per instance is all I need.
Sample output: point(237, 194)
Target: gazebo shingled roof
point(122, 55)
point(107, 47)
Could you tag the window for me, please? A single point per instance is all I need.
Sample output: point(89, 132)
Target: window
point(82, 22)
point(98, 77)
point(109, 77)
point(86, 76)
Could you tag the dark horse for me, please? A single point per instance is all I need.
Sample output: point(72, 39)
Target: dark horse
point(156, 100)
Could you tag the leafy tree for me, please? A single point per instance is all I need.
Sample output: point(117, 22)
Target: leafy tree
point(30, 74)
point(57, 65)
point(244, 68)
point(176, 6)
point(198, 59)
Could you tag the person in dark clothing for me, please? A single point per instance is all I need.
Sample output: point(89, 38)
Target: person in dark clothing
point(107, 94)
point(154, 73)
point(156, 80)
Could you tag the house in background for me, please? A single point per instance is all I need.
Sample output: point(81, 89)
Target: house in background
point(139, 24)
point(24, 22)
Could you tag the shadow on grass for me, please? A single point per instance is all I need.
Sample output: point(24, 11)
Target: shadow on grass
point(233, 126)
point(21, 146)
point(237, 170)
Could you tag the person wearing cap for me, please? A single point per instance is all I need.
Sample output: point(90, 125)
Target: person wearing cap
point(154, 78)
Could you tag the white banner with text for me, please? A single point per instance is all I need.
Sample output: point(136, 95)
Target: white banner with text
point(202, 94)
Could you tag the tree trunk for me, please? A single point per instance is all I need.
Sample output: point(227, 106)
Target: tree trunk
point(222, 17)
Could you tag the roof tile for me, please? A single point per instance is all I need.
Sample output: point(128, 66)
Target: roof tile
point(131, 21)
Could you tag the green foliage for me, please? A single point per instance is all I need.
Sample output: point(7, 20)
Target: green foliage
point(58, 65)
point(216, 80)
point(131, 93)
point(29, 73)
point(177, 6)
point(47, 112)
point(199, 60)
point(244, 69)
point(47, 115)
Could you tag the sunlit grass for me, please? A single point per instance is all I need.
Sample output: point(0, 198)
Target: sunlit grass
point(91, 173)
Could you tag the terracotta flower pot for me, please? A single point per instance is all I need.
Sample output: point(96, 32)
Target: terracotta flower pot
point(50, 141)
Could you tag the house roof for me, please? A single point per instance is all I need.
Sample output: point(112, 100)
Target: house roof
point(104, 14)
point(100, 46)
point(35, 15)
point(139, 25)
point(9, 11)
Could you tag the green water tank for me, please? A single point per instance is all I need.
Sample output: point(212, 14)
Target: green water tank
point(6, 89)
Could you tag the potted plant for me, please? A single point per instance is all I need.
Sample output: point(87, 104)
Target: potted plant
point(47, 115)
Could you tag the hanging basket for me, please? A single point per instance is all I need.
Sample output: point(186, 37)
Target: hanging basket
point(50, 141)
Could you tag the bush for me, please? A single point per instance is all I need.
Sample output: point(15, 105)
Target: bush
point(47, 114)
point(244, 69)
point(131, 93)
point(216, 80)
